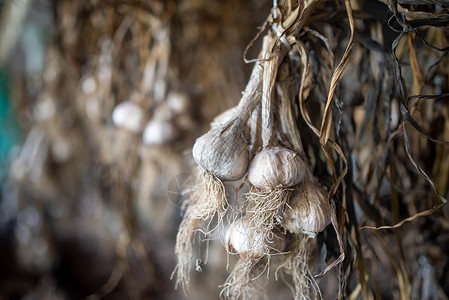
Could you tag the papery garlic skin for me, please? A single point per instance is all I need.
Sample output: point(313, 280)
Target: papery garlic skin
point(223, 153)
point(308, 211)
point(249, 243)
point(128, 115)
point(224, 117)
point(276, 167)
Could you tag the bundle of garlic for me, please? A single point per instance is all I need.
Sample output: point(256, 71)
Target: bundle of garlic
point(285, 205)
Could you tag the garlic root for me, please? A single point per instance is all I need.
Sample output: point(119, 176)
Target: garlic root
point(207, 201)
point(252, 244)
point(246, 281)
point(296, 265)
point(265, 207)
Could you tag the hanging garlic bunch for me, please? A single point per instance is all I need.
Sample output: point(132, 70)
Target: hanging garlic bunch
point(285, 205)
point(273, 174)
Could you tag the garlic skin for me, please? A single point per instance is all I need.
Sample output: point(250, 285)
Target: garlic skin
point(224, 117)
point(276, 167)
point(248, 243)
point(128, 115)
point(223, 153)
point(308, 211)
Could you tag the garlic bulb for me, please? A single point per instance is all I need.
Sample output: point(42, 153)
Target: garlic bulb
point(159, 132)
point(223, 152)
point(128, 115)
point(45, 108)
point(308, 211)
point(249, 243)
point(276, 167)
point(177, 102)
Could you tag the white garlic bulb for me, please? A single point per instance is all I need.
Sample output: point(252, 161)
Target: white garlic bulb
point(128, 115)
point(223, 152)
point(308, 210)
point(45, 109)
point(276, 167)
point(177, 102)
point(88, 84)
point(159, 132)
point(248, 243)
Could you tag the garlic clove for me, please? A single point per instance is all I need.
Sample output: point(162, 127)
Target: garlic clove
point(128, 115)
point(248, 243)
point(159, 132)
point(308, 210)
point(276, 167)
point(223, 153)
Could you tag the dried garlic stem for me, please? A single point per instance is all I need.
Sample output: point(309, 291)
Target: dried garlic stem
point(252, 94)
point(269, 77)
point(285, 89)
point(255, 132)
point(293, 23)
point(246, 281)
